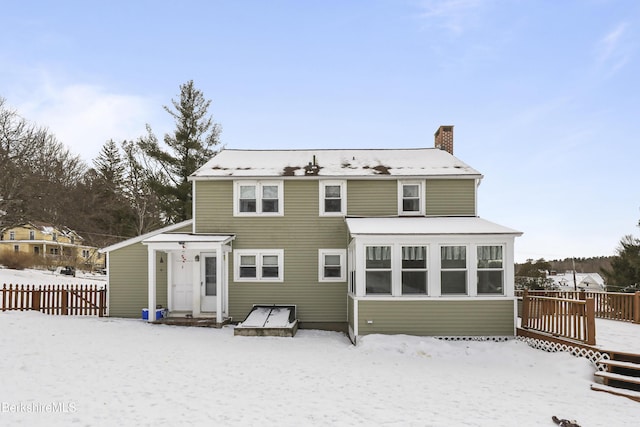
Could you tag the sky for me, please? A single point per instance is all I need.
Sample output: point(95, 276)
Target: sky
point(543, 95)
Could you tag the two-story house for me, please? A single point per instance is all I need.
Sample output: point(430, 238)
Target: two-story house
point(45, 240)
point(365, 241)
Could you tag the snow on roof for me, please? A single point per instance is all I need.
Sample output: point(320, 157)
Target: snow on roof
point(421, 225)
point(137, 239)
point(587, 281)
point(334, 163)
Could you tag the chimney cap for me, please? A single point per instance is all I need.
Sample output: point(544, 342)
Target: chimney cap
point(444, 128)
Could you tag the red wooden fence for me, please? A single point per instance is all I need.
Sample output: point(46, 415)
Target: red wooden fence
point(84, 300)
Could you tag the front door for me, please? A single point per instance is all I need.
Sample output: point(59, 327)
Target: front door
point(182, 284)
point(209, 283)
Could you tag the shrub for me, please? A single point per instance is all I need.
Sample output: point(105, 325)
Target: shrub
point(16, 260)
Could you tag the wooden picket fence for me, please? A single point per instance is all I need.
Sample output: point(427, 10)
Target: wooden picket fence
point(561, 317)
point(608, 305)
point(83, 300)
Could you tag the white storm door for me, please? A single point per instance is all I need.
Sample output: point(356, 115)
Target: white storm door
point(209, 282)
point(182, 284)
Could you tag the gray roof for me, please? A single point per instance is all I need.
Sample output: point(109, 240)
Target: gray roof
point(416, 162)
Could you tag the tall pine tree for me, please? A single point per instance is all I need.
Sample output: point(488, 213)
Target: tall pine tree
point(189, 146)
point(624, 274)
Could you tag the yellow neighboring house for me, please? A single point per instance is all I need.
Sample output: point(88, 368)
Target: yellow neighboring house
point(57, 244)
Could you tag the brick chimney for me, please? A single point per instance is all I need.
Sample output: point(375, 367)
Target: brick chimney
point(444, 139)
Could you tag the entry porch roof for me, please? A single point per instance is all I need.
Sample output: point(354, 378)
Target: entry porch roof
point(175, 241)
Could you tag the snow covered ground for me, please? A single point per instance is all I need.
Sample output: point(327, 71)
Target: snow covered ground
point(44, 277)
point(65, 370)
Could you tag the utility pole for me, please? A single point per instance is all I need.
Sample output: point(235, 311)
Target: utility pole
point(575, 283)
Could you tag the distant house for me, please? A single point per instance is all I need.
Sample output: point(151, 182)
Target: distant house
point(365, 241)
point(592, 282)
point(57, 244)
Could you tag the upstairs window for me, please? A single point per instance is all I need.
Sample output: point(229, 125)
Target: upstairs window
point(54, 237)
point(410, 198)
point(453, 270)
point(490, 270)
point(32, 235)
point(258, 198)
point(333, 198)
point(12, 235)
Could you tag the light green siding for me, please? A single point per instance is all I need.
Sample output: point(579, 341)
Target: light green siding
point(372, 197)
point(437, 318)
point(128, 281)
point(451, 197)
point(301, 232)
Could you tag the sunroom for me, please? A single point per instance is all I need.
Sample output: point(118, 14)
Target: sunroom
point(437, 276)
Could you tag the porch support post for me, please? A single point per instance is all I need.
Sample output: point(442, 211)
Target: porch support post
point(151, 307)
point(197, 283)
point(220, 294)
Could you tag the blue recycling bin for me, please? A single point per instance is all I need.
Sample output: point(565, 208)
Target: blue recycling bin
point(160, 313)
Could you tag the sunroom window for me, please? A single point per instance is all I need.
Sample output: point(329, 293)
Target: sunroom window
point(490, 270)
point(453, 270)
point(414, 270)
point(378, 270)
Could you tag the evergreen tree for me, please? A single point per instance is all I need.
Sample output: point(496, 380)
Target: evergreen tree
point(189, 146)
point(533, 275)
point(624, 274)
point(110, 168)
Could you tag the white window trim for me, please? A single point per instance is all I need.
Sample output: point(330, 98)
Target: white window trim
point(468, 269)
point(357, 254)
point(421, 193)
point(258, 253)
point(502, 269)
point(12, 235)
point(258, 184)
point(343, 265)
point(425, 269)
point(392, 269)
point(343, 197)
